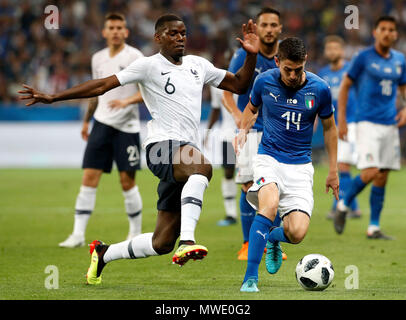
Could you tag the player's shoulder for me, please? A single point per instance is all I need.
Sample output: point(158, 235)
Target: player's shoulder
point(398, 54)
point(365, 53)
point(324, 70)
point(268, 76)
point(133, 51)
point(100, 54)
point(240, 53)
point(196, 60)
point(317, 81)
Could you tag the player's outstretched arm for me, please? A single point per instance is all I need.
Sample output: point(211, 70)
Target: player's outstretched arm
point(88, 89)
point(239, 82)
point(331, 140)
point(345, 86)
point(122, 103)
point(248, 120)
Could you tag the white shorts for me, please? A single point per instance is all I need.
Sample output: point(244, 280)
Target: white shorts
point(346, 151)
point(378, 146)
point(294, 182)
point(244, 171)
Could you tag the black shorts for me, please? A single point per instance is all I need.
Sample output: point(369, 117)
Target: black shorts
point(106, 144)
point(228, 155)
point(160, 162)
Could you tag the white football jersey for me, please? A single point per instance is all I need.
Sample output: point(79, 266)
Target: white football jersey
point(172, 94)
point(228, 126)
point(123, 119)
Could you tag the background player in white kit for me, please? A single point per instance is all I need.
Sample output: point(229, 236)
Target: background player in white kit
point(227, 132)
point(171, 86)
point(114, 136)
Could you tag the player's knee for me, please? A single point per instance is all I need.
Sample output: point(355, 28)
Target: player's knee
point(295, 234)
point(205, 170)
point(127, 184)
point(163, 246)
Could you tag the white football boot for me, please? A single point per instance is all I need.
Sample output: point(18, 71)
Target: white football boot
point(73, 241)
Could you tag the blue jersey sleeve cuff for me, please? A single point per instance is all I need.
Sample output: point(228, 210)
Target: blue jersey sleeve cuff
point(326, 117)
point(253, 104)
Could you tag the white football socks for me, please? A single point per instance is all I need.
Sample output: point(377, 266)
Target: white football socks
point(192, 199)
point(138, 247)
point(229, 190)
point(133, 207)
point(85, 203)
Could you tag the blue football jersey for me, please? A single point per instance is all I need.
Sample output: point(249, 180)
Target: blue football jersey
point(263, 64)
point(333, 78)
point(376, 80)
point(289, 115)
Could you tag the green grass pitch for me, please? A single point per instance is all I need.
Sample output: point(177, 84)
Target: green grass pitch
point(36, 213)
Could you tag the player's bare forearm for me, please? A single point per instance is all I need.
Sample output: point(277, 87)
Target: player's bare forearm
point(401, 116)
point(331, 141)
point(122, 103)
point(229, 103)
point(248, 117)
point(88, 89)
point(91, 108)
point(342, 106)
point(240, 81)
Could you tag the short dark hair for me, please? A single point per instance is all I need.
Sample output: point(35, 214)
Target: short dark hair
point(265, 10)
point(385, 18)
point(166, 18)
point(334, 38)
point(292, 49)
point(114, 16)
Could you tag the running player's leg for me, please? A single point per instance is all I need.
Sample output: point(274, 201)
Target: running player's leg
point(161, 241)
point(376, 202)
point(268, 199)
point(228, 186)
point(98, 158)
point(195, 171)
point(126, 148)
point(132, 202)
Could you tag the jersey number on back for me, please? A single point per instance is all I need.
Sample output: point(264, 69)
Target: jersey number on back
point(291, 117)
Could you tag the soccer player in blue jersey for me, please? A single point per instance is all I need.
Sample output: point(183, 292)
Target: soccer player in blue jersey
point(347, 156)
point(290, 99)
point(376, 73)
point(269, 28)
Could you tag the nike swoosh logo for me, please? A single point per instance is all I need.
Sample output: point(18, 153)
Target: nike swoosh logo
point(164, 73)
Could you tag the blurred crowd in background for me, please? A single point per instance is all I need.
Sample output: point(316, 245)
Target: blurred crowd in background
point(52, 60)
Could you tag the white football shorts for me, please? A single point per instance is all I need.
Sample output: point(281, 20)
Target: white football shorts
point(294, 182)
point(378, 146)
point(244, 162)
point(346, 150)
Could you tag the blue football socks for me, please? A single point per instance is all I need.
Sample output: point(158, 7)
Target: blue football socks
point(376, 199)
point(356, 186)
point(257, 240)
point(247, 214)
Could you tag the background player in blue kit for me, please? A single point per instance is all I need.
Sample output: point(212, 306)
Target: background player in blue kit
point(269, 28)
point(347, 156)
point(290, 99)
point(376, 73)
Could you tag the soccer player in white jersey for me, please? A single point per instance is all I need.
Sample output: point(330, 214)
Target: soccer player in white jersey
point(228, 127)
point(114, 136)
point(171, 86)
